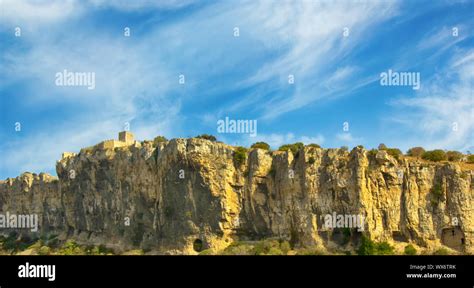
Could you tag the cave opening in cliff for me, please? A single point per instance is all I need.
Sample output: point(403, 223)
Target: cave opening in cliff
point(198, 245)
point(453, 237)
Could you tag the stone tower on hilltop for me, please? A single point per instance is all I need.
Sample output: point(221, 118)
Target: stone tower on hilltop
point(126, 137)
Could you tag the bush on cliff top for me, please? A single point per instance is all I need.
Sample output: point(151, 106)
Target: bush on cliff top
point(294, 148)
point(434, 155)
point(207, 137)
point(416, 152)
point(454, 156)
point(260, 145)
point(394, 152)
point(240, 155)
point(470, 159)
point(314, 145)
point(159, 139)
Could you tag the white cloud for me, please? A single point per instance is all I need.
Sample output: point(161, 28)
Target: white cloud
point(127, 5)
point(443, 115)
point(318, 139)
point(310, 33)
point(347, 139)
point(341, 74)
point(442, 39)
point(33, 13)
point(39, 152)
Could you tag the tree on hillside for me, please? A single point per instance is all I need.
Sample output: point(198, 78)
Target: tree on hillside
point(454, 155)
point(434, 155)
point(382, 146)
point(207, 137)
point(416, 152)
point(261, 145)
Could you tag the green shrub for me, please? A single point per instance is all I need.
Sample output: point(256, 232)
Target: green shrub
point(266, 247)
point(310, 251)
point(159, 139)
point(371, 153)
point(344, 148)
point(15, 243)
point(102, 250)
point(441, 251)
point(275, 251)
point(434, 155)
point(346, 232)
point(384, 248)
point(260, 145)
point(237, 248)
point(454, 156)
point(294, 148)
point(207, 137)
point(240, 155)
point(285, 247)
point(44, 250)
point(396, 153)
point(313, 145)
point(416, 152)
point(209, 251)
point(134, 252)
point(410, 250)
point(437, 192)
point(366, 247)
point(71, 248)
point(382, 146)
point(369, 247)
point(51, 241)
point(9, 243)
point(470, 159)
point(311, 160)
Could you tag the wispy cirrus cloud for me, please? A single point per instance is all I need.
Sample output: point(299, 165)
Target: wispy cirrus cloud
point(125, 5)
point(443, 115)
point(311, 34)
point(33, 14)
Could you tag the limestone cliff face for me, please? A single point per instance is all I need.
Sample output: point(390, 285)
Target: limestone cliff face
point(191, 191)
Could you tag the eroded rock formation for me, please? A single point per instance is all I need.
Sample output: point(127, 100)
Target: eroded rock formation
point(169, 196)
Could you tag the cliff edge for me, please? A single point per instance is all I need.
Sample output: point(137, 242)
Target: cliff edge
point(187, 195)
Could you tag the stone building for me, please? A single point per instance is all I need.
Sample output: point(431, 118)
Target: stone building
point(453, 237)
point(126, 137)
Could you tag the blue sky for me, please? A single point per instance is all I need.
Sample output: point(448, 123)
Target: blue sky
point(336, 75)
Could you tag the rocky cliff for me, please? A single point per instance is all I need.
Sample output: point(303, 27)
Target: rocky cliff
point(191, 194)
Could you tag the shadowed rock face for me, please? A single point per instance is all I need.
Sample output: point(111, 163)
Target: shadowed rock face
point(190, 192)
